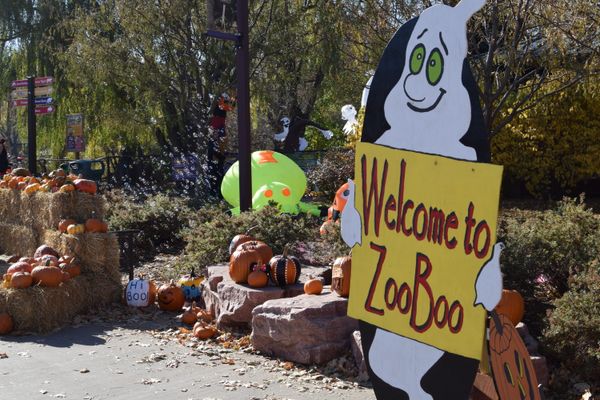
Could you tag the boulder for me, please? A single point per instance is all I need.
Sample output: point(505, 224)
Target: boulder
point(236, 301)
point(317, 272)
point(483, 388)
point(216, 274)
point(305, 329)
point(359, 356)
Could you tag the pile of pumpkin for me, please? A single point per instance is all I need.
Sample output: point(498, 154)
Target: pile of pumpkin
point(55, 181)
point(247, 265)
point(171, 297)
point(46, 268)
point(91, 225)
point(252, 262)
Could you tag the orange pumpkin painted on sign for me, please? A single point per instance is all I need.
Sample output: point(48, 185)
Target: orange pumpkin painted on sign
point(514, 375)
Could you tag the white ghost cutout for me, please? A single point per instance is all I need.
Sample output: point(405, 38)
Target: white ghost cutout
point(429, 108)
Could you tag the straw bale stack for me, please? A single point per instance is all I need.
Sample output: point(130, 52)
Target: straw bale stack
point(28, 221)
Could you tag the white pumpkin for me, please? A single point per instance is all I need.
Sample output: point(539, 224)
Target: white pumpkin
point(140, 293)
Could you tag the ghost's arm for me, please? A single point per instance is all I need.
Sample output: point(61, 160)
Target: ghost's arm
point(327, 134)
point(488, 286)
point(351, 224)
point(280, 136)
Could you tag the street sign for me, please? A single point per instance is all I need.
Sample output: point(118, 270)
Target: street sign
point(40, 81)
point(38, 101)
point(39, 91)
point(39, 110)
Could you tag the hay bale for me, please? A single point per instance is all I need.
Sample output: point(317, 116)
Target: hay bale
point(42, 211)
point(43, 309)
point(97, 252)
point(10, 206)
point(17, 239)
point(76, 205)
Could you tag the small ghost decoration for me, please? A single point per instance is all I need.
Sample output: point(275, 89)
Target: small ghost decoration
point(349, 114)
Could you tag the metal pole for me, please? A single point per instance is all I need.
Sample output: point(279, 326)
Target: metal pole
point(31, 126)
point(243, 98)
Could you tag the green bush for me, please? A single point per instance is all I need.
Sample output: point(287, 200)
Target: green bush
point(333, 171)
point(573, 333)
point(159, 218)
point(208, 237)
point(544, 249)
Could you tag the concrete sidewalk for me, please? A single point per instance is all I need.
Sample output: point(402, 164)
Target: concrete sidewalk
point(104, 360)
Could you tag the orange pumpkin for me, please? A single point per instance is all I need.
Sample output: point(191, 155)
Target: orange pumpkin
point(48, 261)
point(67, 188)
point(85, 186)
point(94, 225)
point(47, 276)
point(261, 248)
point(238, 240)
point(64, 224)
point(45, 249)
point(242, 261)
point(13, 183)
point(72, 269)
point(313, 286)
point(340, 276)
point(205, 315)
point(6, 323)
point(203, 331)
point(284, 270)
point(76, 229)
point(19, 267)
point(32, 188)
point(258, 279)
point(189, 317)
point(512, 305)
point(514, 375)
point(170, 297)
point(21, 280)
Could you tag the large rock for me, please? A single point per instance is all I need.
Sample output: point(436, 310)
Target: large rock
point(238, 301)
point(483, 388)
point(306, 329)
point(232, 303)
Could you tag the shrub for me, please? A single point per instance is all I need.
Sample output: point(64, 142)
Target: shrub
point(544, 249)
point(159, 218)
point(334, 170)
point(573, 333)
point(554, 146)
point(208, 238)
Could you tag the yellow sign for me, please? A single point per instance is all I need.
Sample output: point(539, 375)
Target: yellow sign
point(428, 227)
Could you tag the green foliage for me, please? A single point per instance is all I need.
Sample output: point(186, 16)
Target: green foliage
point(160, 219)
point(544, 249)
point(573, 333)
point(333, 171)
point(555, 145)
point(209, 236)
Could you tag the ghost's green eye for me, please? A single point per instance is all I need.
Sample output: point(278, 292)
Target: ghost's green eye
point(416, 59)
point(435, 67)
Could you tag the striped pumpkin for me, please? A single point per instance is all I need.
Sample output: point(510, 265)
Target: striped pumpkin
point(284, 270)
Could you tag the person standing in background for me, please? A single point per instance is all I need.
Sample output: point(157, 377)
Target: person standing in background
point(3, 157)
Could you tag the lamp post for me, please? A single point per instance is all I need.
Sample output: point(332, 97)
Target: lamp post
point(243, 99)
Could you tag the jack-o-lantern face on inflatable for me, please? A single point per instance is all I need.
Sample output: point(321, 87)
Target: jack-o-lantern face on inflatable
point(514, 375)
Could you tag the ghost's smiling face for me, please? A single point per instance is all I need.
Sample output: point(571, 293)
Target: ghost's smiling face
point(423, 85)
point(429, 109)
